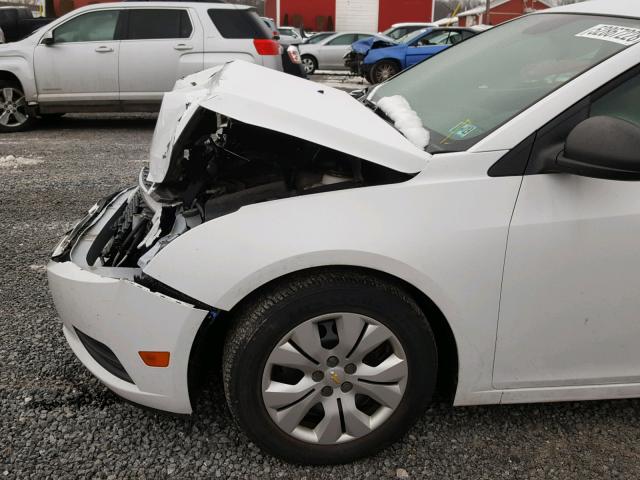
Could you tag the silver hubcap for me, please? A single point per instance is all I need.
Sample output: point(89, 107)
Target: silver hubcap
point(334, 378)
point(307, 63)
point(385, 72)
point(13, 108)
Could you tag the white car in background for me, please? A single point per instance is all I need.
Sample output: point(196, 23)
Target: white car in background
point(468, 226)
point(399, 30)
point(328, 53)
point(124, 56)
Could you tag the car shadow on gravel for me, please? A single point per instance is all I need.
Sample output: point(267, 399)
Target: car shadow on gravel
point(103, 121)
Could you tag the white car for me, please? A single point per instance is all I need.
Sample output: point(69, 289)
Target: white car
point(328, 53)
point(123, 57)
point(399, 30)
point(469, 225)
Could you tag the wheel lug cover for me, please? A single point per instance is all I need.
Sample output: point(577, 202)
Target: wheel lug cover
point(332, 361)
point(317, 376)
point(326, 391)
point(346, 387)
point(350, 368)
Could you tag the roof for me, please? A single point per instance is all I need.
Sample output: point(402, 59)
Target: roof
point(161, 3)
point(412, 24)
point(620, 8)
point(496, 3)
point(443, 22)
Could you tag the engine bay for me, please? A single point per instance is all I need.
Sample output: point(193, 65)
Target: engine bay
point(224, 165)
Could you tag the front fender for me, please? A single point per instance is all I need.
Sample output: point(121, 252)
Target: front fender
point(391, 53)
point(443, 232)
point(222, 261)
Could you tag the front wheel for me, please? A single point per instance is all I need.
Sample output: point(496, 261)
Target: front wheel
point(329, 367)
point(384, 70)
point(309, 64)
point(14, 112)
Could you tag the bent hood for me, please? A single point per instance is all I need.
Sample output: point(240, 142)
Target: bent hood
point(380, 41)
point(276, 101)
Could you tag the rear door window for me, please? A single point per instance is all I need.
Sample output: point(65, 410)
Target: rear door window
point(239, 23)
point(346, 39)
point(147, 24)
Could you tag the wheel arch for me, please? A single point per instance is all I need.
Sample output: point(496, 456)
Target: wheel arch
point(17, 70)
point(10, 77)
point(213, 331)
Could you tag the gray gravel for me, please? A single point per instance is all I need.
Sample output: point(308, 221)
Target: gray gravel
point(57, 421)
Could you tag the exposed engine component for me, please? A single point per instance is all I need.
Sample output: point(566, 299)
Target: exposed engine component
point(225, 165)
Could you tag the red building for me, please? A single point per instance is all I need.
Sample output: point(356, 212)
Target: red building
point(344, 15)
point(501, 11)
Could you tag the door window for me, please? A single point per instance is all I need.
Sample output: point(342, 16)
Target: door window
point(150, 24)
point(622, 102)
point(347, 39)
point(434, 38)
point(90, 27)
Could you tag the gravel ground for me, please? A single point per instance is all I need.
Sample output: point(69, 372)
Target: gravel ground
point(57, 421)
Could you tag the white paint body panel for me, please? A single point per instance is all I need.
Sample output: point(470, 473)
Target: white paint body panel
point(128, 318)
point(570, 301)
point(271, 99)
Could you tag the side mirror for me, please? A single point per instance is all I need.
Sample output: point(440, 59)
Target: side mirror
point(48, 39)
point(602, 147)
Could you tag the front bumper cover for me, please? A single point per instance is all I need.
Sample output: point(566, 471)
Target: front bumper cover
point(127, 318)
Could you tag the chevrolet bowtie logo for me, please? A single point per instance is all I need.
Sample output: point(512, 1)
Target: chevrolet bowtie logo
point(334, 376)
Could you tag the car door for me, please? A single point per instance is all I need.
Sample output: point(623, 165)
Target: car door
point(82, 63)
point(159, 46)
point(332, 52)
point(427, 46)
point(571, 288)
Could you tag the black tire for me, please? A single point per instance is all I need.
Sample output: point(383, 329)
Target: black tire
point(13, 123)
point(367, 77)
point(309, 64)
point(265, 319)
point(384, 70)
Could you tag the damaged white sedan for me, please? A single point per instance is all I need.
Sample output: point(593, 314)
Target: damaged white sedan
point(464, 228)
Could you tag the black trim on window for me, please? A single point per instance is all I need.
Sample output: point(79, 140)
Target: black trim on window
point(548, 141)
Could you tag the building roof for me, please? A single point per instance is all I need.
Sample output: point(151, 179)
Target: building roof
point(496, 3)
point(480, 10)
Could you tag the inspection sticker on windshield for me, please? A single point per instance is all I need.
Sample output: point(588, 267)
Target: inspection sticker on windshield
point(462, 130)
point(613, 33)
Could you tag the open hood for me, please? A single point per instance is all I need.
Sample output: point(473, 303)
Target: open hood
point(276, 101)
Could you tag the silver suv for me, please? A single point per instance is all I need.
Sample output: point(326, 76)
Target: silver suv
point(124, 56)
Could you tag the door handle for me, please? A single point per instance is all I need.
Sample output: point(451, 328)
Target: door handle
point(104, 49)
point(182, 46)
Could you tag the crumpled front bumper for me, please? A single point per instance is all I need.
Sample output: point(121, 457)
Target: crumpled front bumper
point(107, 321)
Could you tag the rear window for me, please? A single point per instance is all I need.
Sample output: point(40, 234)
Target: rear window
point(239, 24)
point(153, 24)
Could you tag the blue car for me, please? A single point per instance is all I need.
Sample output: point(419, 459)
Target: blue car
point(379, 58)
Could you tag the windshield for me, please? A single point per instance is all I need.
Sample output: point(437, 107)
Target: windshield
point(409, 37)
point(467, 91)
